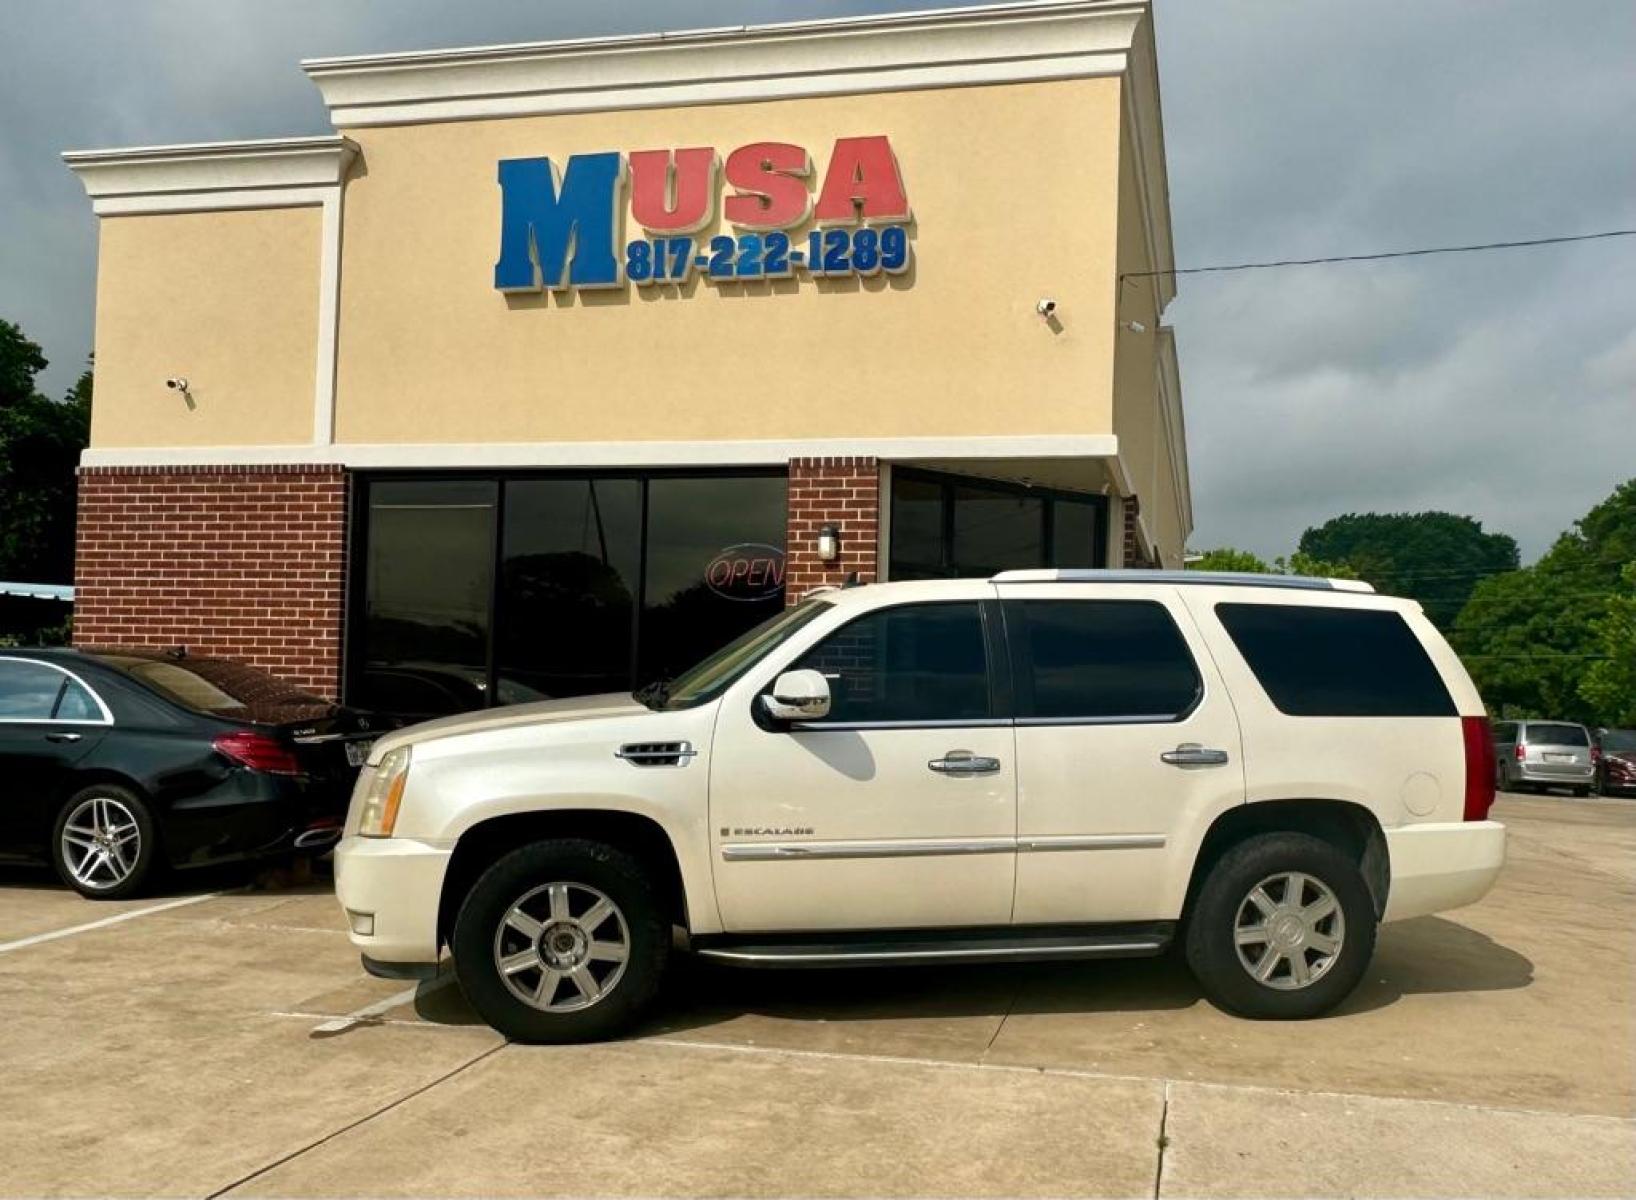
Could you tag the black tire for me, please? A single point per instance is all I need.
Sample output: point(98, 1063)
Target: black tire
point(121, 807)
point(1214, 957)
point(523, 875)
point(1581, 792)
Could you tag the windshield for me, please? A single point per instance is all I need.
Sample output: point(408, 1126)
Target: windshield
point(1620, 741)
point(707, 680)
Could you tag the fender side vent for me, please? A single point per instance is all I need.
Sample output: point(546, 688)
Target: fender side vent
point(656, 754)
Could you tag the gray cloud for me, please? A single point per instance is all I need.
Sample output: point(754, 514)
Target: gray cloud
point(1502, 385)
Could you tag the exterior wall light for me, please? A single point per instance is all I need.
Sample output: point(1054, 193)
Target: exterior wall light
point(829, 542)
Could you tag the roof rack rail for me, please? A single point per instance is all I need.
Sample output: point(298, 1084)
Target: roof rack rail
point(1309, 583)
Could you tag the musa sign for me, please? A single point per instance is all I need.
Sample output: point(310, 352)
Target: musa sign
point(562, 228)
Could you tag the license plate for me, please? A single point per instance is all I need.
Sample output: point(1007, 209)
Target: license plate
point(358, 752)
point(1559, 758)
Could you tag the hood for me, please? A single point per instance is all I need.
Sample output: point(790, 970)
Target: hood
point(543, 712)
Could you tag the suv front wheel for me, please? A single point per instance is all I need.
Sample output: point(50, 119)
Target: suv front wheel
point(1283, 928)
point(561, 941)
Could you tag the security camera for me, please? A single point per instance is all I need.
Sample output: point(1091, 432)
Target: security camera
point(176, 383)
point(1133, 326)
point(1046, 307)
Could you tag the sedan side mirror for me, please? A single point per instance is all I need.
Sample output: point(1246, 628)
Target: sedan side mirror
point(798, 696)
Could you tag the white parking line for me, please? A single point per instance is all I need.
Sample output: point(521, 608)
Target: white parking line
point(371, 1012)
point(133, 914)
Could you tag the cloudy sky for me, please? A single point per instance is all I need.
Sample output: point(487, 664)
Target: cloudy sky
point(1501, 385)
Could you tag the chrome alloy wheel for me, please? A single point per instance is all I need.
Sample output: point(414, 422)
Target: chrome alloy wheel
point(562, 947)
point(1289, 931)
point(101, 843)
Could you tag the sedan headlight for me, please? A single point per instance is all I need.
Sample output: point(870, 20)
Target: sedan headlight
point(380, 807)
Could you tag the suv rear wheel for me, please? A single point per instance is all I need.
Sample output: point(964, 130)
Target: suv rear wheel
point(1283, 928)
point(561, 941)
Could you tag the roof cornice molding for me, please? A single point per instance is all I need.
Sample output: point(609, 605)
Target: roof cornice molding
point(269, 172)
point(1018, 42)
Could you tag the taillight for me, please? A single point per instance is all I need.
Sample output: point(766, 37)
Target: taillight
point(1479, 742)
point(259, 752)
point(1522, 752)
point(1596, 755)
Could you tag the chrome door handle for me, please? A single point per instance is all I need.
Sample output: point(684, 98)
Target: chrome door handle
point(1191, 754)
point(63, 737)
point(964, 762)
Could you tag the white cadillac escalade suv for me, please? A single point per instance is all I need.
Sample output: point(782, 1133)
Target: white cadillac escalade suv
point(1041, 765)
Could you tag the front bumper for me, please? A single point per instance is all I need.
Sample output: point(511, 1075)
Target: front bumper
point(1442, 865)
point(390, 889)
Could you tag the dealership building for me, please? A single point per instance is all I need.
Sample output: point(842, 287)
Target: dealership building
point(556, 365)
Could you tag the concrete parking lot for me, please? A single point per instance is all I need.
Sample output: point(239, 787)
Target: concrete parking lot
point(204, 1044)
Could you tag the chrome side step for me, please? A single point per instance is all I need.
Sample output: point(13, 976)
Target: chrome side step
point(923, 947)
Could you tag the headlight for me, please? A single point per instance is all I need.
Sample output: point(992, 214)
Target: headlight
point(380, 808)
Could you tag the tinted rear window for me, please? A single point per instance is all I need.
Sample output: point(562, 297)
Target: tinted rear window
point(1337, 662)
point(1620, 741)
point(1557, 735)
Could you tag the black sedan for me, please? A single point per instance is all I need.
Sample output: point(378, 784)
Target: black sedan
point(115, 764)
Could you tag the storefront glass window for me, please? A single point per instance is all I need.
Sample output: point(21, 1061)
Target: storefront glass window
point(994, 530)
point(715, 566)
point(595, 584)
point(917, 528)
point(947, 526)
point(429, 576)
point(570, 573)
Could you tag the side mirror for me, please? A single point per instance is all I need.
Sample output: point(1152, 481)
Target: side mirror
point(798, 696)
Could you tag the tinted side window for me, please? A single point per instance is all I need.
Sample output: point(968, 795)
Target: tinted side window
point(28, 691)
point(1505, 731)
point(1100, 659)
point(917, 662)
point(1337, 662)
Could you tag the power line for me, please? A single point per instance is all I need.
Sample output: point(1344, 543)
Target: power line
point(1351, 258)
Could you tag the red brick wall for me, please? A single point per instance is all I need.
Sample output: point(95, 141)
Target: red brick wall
point(845, 491)
point(1133, 556)
point(235, 562)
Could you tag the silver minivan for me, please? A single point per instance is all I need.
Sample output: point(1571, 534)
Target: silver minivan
point(1543, 754)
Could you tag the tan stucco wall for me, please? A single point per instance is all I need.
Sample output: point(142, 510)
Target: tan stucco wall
point(1136, 400)
point(226, 300)
point(1013, 190)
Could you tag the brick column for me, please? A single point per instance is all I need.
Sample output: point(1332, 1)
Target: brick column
point(245, 563)
point(845, 491)
point(1131, 548)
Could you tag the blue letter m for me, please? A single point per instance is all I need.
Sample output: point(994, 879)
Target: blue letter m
point(542, 225)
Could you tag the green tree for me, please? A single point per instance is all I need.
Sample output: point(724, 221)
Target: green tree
point(1229, 558)
point(1609, 685)
point(1226, 558)
point(40, 444)
point(20, 361)
point(1435, 557)
point(1533, 638)
point(1318, 568)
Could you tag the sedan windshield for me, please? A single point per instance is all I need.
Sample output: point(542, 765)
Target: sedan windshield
point(704, 682)
point(1620, 741)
